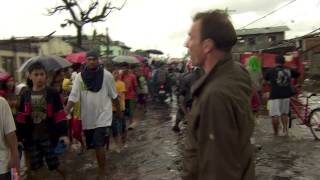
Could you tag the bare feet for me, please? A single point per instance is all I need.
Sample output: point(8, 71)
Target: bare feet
point(102, 176)
point(285, 132)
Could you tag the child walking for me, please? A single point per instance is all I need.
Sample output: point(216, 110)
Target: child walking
point(41, 123)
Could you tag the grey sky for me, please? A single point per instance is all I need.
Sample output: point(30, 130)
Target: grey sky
point(161, 24)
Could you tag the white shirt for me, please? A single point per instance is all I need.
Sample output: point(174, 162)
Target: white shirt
point(74, 75)
point(6, 126)
point(96, 107)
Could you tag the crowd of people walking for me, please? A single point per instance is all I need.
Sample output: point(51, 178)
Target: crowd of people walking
point(87, 104)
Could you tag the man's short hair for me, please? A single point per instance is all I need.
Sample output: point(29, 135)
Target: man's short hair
point(280, 59)
point(93, 54)
point(36, 66)
point(216, 25)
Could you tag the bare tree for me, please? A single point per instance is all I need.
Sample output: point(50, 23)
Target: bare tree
point(80, 16)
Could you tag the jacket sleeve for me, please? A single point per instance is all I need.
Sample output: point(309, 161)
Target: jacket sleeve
point(294, 73)
point(223, 138)
point(21, 119)
point(59, 116)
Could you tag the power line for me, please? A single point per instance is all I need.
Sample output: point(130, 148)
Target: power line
point(268, 14)
point(306, 35)
point(305, 13)
point(312, 31)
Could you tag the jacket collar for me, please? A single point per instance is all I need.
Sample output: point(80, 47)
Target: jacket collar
point(207, 76)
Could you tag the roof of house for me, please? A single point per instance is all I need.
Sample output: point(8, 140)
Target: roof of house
point(265, 30)
point(121, 44)
point(30, 44)
point(282, 47)
point(22, 44)
point(88, 42)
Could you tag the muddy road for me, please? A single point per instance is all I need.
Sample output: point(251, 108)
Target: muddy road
point(155, 152)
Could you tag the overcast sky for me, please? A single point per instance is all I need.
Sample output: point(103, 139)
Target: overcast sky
point(160, 24)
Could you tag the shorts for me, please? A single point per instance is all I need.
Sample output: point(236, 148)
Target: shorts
point(130, 107)
point(142, 99)
point(278, 107)
point(116, 126)
point(123, 124)
point(180, 115)
point(40, 150)
point(95, 138)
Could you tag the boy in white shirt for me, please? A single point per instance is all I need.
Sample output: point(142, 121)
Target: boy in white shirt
point(9, 156)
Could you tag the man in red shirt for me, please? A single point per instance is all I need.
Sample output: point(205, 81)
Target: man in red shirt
point(130, 80)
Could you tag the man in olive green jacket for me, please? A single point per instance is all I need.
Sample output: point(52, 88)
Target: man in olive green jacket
point(220, 123)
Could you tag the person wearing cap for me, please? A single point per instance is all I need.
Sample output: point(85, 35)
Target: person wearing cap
point(95, 88)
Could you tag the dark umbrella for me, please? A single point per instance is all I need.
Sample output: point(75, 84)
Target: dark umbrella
point(153, 51)
point(51, 63)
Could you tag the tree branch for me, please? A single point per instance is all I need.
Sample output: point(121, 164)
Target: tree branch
point(74, 22)
point(90, 9)
point(52, 11)
point(83, 17)
point(69, 5)
point(79, 7)
point(106, 10)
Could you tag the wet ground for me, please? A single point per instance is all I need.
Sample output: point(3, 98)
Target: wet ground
point(154, 152)
point(296, 157)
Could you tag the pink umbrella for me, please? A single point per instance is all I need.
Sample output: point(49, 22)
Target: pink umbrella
point(140, 58)
point(77, 57)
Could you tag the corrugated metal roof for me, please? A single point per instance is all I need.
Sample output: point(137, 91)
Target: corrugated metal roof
point(265, 30)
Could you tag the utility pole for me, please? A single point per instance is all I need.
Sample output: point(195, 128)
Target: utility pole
point(229, 11)
point(108, 44)
point(14, 63)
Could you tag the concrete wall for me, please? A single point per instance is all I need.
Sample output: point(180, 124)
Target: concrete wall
point(312, 44)
point(311, 47)
point(257, 42)
point(115, 50)
point(56, 47)
point(314, 68)
point(11, 61)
